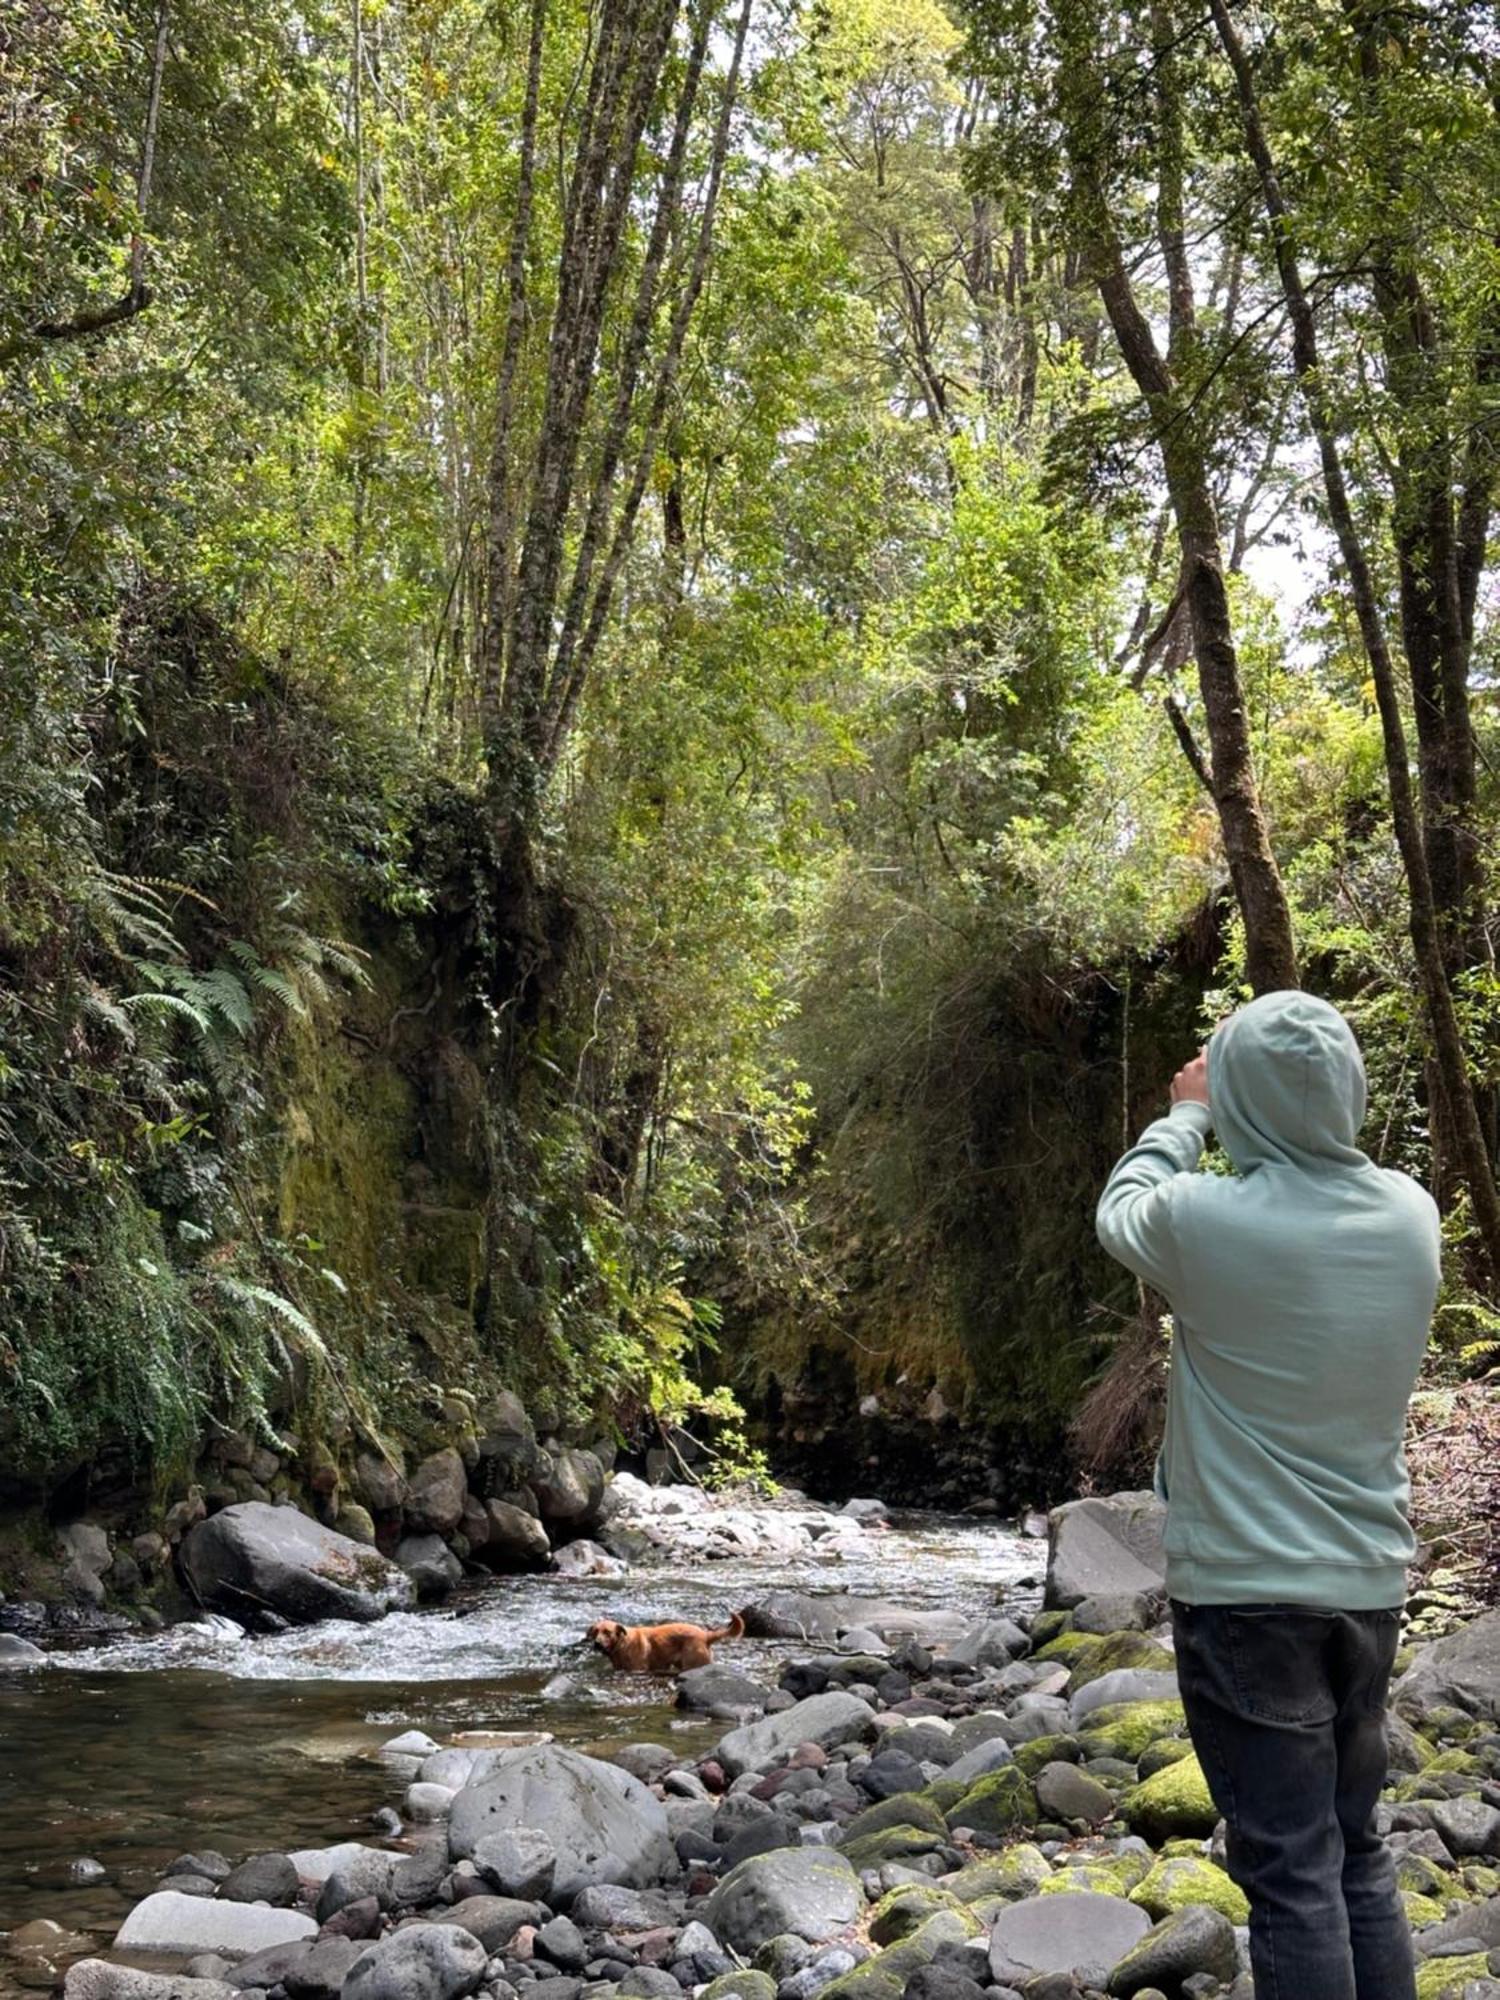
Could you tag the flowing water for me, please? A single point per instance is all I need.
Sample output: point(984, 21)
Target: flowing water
point(134, 1752)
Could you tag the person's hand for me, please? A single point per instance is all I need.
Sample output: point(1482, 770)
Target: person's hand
point(1190, 1085)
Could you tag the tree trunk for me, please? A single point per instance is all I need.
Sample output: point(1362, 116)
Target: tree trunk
point(1426, 933)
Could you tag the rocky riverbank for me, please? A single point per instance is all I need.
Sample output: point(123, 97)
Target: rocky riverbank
point(273, 1538)
point(914, 1810)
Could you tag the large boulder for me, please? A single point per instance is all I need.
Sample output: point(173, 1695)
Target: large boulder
point(806, 1892)
point(508, 1450)
point(431, 1565)
point(253, 1556)
point(1063, 1933)
point(517, 1539)
point(824, 1719)
point(794, 1614)
point(569, 1488)
point(1105, 1547)
point(604, 1825)
point(171, 1925)
point(436, 1496)
point(1462, 1670)
point(380, 1482)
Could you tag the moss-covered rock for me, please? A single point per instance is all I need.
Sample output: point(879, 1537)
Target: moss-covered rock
point(740, 1985)
point(1421, 1911)
point(884, 1976)
point(906, 1909)
point(1180, 1879)
point(906, 1809)
point(1445, 1978)
point(1126, 1728)
point(1071, 1649)
point(1114, 1875)
point(1043, 1750)
point(1461, 1761)
point(944, 1793)
point(1165, 1750)
point(1047, 1625)
point(999, 1802)
point(1175, 1801)
point(891, 1843)
point(1121, 1649)
point(1414, 1872)
point(1018, 1871)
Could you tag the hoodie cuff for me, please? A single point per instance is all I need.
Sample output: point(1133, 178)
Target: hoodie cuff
point(1190, 1112)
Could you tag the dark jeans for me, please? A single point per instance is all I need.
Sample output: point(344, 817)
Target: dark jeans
point(1286, 1708)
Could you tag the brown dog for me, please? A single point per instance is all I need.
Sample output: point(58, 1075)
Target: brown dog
point(659, 1649)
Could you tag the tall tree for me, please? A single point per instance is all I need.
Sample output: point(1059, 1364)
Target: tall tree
point(1171, 384)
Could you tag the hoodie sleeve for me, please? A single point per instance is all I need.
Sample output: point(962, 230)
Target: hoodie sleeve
point(1134, 1217)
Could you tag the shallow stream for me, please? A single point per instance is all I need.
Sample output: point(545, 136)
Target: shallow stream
point(134, 1752)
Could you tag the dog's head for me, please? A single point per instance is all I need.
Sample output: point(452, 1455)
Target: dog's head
point(605, 1634)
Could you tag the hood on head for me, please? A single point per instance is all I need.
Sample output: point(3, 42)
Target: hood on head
point(1286, 1084)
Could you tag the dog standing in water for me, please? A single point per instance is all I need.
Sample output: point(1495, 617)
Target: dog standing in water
point(659, 1649)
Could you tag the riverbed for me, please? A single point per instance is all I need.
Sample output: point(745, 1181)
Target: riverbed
point(134, 1752)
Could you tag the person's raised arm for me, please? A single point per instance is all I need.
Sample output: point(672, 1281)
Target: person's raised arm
point(1134, 1217)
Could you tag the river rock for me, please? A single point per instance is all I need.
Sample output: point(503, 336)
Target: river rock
point(980, 1761)
point(1065, 1793)
point(825, 1719)
point(18, 1652)
point(1105, 1547)
point(435, 1497)
point(993, 1644)
point(1469, 1828)
point(176, 1926)
point(494, 1920)
point(1063, 1933)
point(427, 1962)
point(569, 1487)
point(585, 1558)
point(610, 1906)
point(312, 1971)
point(1194, 1940)
point(1462, 1670)
point(1121, 1684)
point(86, 1557)
point(381, 1482)
point(521, 1862)
point(1117, 1611)
point(97, 1979)
point(794, 1614)
point(264, 1878)
point(604, 1824)
point(711, 1688)
point(359, 1872)
point(431, 1565)
point(517, 1538)
point(508, 1450)
point(317, 1864)
point(252, 1556)
point(809, 1892)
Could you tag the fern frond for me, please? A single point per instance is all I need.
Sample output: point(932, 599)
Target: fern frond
point(169, 1003)
point(260, 1298)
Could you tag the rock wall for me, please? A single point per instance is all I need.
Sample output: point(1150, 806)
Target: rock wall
point(492, 1493)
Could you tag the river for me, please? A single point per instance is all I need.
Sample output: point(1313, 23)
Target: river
point(134, 1752)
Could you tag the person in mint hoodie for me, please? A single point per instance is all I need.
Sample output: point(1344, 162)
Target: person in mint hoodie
point(1301, 1288)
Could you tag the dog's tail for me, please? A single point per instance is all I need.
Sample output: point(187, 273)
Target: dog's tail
point(735, 1629)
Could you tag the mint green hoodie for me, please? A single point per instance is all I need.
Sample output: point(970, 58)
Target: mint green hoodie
point(1301, 1293)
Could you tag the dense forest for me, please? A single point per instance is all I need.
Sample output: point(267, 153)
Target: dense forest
point(662, 660)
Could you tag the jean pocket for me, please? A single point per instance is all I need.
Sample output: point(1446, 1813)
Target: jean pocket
point(1278, 1661)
